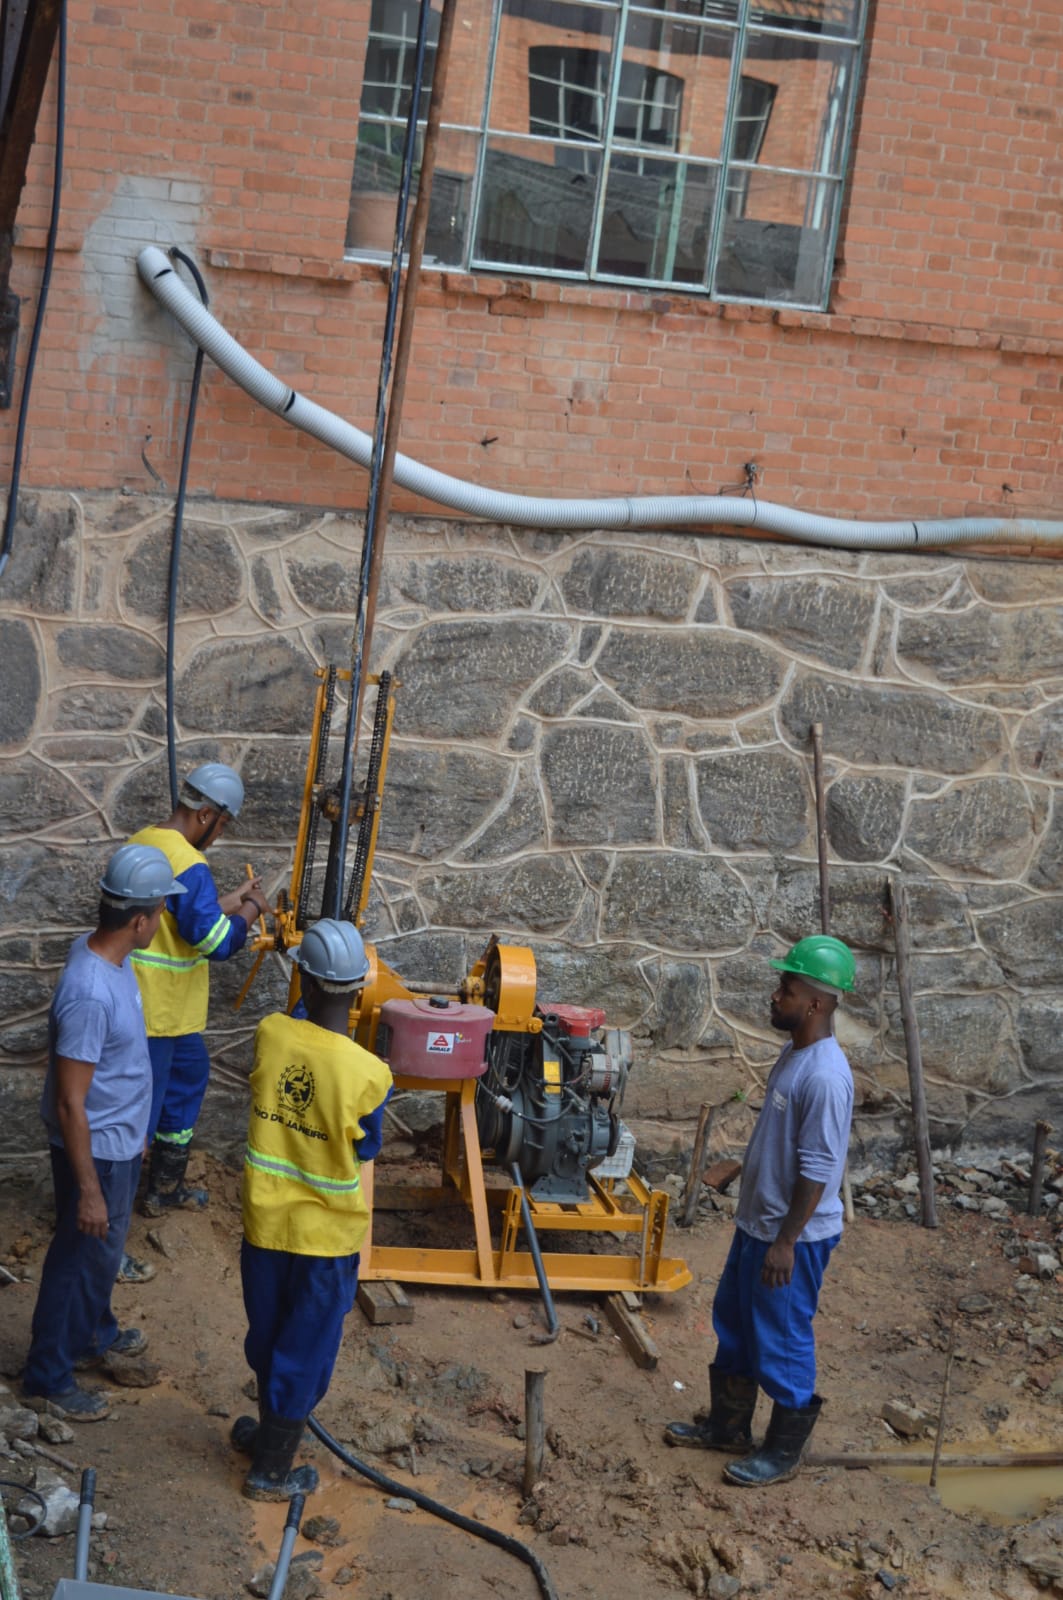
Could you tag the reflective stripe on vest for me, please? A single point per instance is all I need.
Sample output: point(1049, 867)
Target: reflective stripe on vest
point(278, 1168)
point(210, 941)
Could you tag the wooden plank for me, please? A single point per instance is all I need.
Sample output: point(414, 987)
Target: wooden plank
point(623, 1313)
point(384, 1303)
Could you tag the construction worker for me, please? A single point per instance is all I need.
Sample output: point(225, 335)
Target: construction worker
point(174, 978)
point(788, 1221)
point(95, 1106)
point(317, 1104)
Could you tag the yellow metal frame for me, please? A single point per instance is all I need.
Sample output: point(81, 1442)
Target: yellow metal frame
point(504, 979)
point(622, 1205)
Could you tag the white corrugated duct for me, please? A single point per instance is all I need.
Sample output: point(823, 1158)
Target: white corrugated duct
point(492, 505)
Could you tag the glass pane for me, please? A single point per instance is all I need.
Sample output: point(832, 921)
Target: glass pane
point(706, 10)
point(552, 69)
point(374, 197)
point(841, 18)
point(536, 210)
point(803, 92)
point(391, 56)
point(778, 248)
point(657, 227)
point(673, 89)
point(448, 213)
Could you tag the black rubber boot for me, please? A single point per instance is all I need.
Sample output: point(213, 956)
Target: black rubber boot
point(272, 1476)
point(726, 1425)
point(243, 1435)
point(166, 1181)
point(779, 1456)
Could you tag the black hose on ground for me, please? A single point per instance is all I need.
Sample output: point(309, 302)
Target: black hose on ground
point(502, 1541)
point(178, 531)
point(8, 540)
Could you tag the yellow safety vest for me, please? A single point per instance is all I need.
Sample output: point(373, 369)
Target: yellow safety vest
point(302, 1178)
point(174, 977)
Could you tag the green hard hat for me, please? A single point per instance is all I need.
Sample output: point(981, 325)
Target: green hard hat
point(822, 960)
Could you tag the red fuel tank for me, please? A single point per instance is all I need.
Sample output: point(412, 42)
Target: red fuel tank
point(434, 1038)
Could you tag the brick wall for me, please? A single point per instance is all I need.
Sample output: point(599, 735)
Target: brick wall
point(932, 388)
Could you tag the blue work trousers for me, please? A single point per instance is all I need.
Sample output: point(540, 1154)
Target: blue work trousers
point(295, 1308)
point(767, 1333)
point(73, 1315)
point(180, 1068)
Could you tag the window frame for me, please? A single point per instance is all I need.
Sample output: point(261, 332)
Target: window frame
point(732, 176)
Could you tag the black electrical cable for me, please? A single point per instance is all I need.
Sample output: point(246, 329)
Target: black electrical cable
point(178, 531)
point(27, 1533)
point(503, 1541)
point(8, 540)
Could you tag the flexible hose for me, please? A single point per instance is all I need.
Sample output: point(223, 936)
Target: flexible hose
point(178, 532)
point(502, 1541)
point(8, 540)
point(23, 1488)
point(659, 511)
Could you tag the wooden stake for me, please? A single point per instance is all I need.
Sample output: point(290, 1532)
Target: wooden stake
point(921, 1122)
point(534, 1428)
point(697, 1165)
point(1037, 1166)
point(855, 1460)
point(822, 848)
point(939, 1436)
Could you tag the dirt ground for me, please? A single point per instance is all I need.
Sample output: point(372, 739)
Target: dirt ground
point(616, 1510)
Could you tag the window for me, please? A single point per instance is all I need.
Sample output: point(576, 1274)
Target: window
point(699, 144)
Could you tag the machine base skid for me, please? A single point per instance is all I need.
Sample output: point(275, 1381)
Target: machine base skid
point(460, 1268)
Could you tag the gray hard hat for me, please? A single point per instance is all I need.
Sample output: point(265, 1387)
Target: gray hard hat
point(334, 951)
point(140, 875)
point(218, 784)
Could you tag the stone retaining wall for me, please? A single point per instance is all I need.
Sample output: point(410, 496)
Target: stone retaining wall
point(601, 750)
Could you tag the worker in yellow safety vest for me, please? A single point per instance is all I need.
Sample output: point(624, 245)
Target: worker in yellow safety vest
point(197, 927)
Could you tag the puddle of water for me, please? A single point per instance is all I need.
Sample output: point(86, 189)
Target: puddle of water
point(999, 1494)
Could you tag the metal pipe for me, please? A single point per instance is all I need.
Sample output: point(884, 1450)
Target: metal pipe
point(655, 511)
point(284, 1558)
point(85, 1509)
point(553, 1327)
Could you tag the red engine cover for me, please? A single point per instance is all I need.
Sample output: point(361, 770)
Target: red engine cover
point(578, 1022)
point(429, 1040)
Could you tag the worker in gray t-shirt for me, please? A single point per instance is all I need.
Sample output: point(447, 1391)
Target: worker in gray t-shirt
point(788, 1221)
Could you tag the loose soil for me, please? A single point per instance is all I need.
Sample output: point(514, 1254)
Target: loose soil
point(617, 1511)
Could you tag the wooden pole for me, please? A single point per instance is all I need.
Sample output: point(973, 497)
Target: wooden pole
point(821, 827)
point(824, 899)
point(939, 1436)
point(1037, 1166)
point(697, 1165)
point(921, 1122)
point(534, 1429)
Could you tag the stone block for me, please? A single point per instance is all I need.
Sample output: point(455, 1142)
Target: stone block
point(535, 894)
point(884, 726)
point(1027, 940)
point(972, 645)
point(753, 800)
point(864, 816)
point(118, 652)
point(683, 903)
point(1039, 742)
point(519, 826)
point(210, 575)
point(465, 679)
point(600, 785)
point(1046, 872)
point(34, 796)
point(42, 572)
point(473, 581)
point(819, 616)
point(701, 673)
point(967, 1039)
point(982, 826)
point(257, 686)
point(1039, 1027)
point(682, 999)
point(436, 798)
point(609, 581)
point(22, 681)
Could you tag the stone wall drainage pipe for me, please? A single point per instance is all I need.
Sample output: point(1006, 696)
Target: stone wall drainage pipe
point(656, 511)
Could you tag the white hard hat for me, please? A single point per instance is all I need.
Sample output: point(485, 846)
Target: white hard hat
point(140, 875)
point(334, 951)
point(219, 784)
